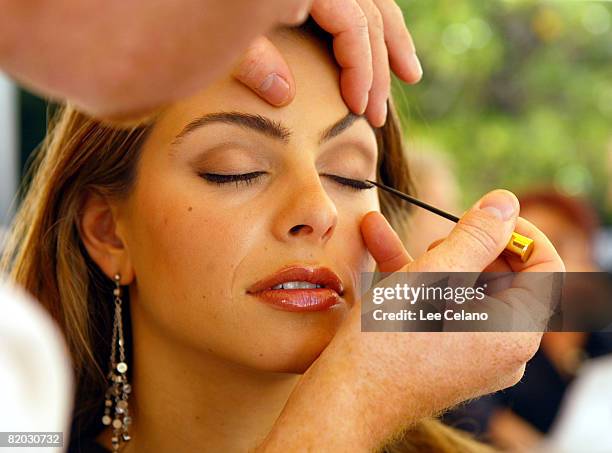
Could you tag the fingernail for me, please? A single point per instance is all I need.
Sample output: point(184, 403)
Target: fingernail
point(303, 14)
point(415, 63)
point(275, 89)
point(364, 104)
point(381, 119)
point(300, 14)
point(384, 115)
point(499, 203)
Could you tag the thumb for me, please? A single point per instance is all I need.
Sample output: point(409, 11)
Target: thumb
point(479, 237)
point(263, 69)
point(384, 244)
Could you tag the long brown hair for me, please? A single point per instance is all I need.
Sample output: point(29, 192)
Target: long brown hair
point(45, 254)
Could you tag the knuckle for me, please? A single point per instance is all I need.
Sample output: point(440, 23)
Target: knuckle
point(526, 345)
point(513, 378)
point(509, 354)
point(501, 357)
point(251, 63)
point(376, 22)
point(515, 349)
point(360, 21)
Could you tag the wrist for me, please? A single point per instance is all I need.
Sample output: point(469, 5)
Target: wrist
point(346, 402)
point(326, 413)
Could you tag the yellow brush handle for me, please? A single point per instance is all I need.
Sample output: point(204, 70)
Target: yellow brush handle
point(520, 245)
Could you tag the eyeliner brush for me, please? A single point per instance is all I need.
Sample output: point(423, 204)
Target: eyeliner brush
point(416, 201)
point(518, 244)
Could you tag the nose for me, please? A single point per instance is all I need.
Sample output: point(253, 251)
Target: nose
point(307, 213)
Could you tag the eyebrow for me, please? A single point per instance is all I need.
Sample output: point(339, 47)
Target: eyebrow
point(246, 120)
point(263, 125)
point(338, 127)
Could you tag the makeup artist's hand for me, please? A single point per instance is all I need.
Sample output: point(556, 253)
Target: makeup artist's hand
point(122, 60)
point(378, 383)
point(369, 37)
point(127, 59)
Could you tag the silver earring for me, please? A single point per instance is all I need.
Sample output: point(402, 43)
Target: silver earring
point(116, 399)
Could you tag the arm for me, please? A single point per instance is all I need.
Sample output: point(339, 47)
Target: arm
point(125, 59)
point(366, 387)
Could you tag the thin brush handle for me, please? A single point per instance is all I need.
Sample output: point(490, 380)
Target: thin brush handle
point(416, 201)
point(518, 244)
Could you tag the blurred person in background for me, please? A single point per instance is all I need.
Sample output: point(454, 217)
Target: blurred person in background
point(3, 234)
point(571, 224)
point(603, 249)
point(435, 183)
point(518, 418)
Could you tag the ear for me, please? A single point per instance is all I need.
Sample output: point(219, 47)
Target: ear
point(99, 233)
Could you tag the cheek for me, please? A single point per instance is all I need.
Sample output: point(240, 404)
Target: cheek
point(348, 241)
point(185, 248)
point(179, 239)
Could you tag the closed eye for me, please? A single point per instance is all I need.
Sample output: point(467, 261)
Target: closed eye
point(250, 178)
point(354, 184)
point(243, 178)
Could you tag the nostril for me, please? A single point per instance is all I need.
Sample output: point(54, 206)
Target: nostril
point(329, 232)
point(297, 229)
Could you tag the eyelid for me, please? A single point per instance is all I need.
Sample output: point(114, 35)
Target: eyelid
point(355, 184)
point(359, 149)
point(249, 178)
point(241, 178)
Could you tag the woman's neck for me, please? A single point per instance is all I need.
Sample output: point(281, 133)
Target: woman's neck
point(188, 400)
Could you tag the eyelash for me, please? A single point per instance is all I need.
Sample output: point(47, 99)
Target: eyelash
point(353, 184)
point(250, 178)
point(244, 178)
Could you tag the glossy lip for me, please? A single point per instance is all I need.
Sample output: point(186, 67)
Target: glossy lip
point(314, 299)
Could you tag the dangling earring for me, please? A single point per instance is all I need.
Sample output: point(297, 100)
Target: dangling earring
point(119, 388)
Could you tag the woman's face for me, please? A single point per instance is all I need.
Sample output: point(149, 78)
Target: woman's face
point(199, 243)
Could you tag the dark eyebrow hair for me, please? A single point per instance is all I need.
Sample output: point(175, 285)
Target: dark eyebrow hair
point(262, 124)
point(337, 128)
point(256, 122)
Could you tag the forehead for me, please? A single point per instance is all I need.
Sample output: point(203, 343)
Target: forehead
point(317, 103)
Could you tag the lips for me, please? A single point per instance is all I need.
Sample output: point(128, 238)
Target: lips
point(299, 288)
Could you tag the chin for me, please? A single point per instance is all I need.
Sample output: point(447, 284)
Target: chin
point(296, 357)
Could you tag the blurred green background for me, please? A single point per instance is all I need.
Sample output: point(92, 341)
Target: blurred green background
point(519, 93)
